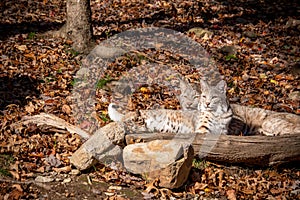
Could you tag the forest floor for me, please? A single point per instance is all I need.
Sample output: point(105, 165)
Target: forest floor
point(256, 48)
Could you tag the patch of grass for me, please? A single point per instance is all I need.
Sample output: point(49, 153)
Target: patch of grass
point(141, 58)
point(4, 172)
point(108, 34)
point(132, 194)
point(199, 164)
point(5, 162)
point(229, 57)
point(102, 82)
point(104, 117)
point(145, 177)
point(74, 81)
point(59, 71)
point(31, 35)
point(71, 51)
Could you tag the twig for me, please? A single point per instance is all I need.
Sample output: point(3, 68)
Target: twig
point(41, 185)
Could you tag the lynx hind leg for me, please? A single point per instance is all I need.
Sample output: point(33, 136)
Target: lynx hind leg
point(282, 124)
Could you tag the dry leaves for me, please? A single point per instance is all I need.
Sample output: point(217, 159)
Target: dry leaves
point(255, 44)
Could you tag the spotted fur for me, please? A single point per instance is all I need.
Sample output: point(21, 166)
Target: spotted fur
point(265, 122)
point(212, 114)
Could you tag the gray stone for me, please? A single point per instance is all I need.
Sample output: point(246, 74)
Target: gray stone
point(102, 146)
point(250, 34)
point(74, 172)
point(107, 52)
point(229, 50)
point(44, 179)
point(292, 23)
point(241, 20)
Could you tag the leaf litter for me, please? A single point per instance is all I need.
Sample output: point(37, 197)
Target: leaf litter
point(256, 48)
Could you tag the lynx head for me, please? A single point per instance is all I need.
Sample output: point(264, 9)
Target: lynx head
point(189, 98)
point(213, 98)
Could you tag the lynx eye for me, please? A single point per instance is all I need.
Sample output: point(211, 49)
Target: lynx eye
point(214, 99)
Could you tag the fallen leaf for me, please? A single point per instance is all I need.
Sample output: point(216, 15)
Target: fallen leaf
point(21, 47)
point(30, 108)
point(231, 194)
point(30, 55)
point(274, 81)
point(66, 109)
point(65, 169)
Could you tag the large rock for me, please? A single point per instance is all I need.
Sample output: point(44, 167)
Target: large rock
point(168, 160)
point(107, 52)
point(103, 146)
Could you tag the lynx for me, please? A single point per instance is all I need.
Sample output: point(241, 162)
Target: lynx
point(210, 112)
point(248, 120)
point(206, 113)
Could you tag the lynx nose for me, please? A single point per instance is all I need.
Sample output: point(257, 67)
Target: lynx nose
point(207, 103)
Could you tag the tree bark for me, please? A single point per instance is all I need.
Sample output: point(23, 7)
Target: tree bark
point(78, 27)
point(247, 150)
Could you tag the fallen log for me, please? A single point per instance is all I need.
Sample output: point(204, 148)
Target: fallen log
point(246, 150)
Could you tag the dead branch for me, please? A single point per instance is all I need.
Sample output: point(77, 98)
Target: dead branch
point(45, 119)
point(248, 150)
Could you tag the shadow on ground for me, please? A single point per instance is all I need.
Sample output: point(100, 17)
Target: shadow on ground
point(17, 90)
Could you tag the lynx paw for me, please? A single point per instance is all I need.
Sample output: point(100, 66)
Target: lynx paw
point(113, 112)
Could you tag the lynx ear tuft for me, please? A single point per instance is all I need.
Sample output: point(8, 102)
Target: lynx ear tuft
point(204, 85)
point(222, 86)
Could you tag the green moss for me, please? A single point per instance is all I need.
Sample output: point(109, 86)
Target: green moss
point(5, 161)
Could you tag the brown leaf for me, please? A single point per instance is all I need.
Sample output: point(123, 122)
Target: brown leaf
point(37, 155)
point(16, 193)
point(29, 166)
point(30, 55)
point(29, 108)
point(41, 169)
point(231, 194)
point(248, 191)
point(66, 109)
point(65, 169)
point(152, 187)
point(200, 186)
point(275, 191)
point(21, 47)
point(16, 175)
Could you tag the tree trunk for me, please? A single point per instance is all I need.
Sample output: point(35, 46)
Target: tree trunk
point(247, 150)
point(78, 27)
